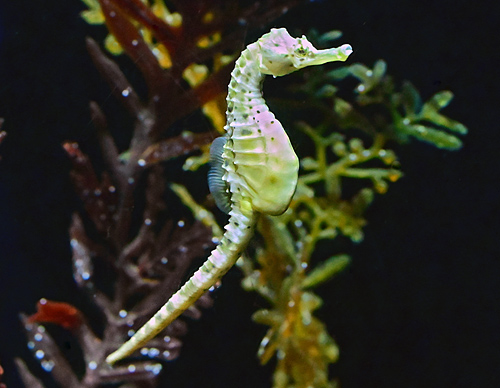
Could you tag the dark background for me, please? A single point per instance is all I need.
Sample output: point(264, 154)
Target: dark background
point(418, 307)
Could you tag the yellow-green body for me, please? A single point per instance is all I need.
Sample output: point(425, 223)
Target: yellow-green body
point(259, 166)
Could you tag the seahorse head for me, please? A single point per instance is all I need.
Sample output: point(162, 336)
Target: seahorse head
point(281, 54)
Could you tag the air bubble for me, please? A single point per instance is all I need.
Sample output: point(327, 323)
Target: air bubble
point(141, 162)
point(125, 92)
point(38, 337)
point(153, 352)
point(122, 313)
point(131, 368)
point(48, 365)
point(31, 345)
point(156, 369)
point(181, 223)
point(92, 365)
point(39, 354)
point(361, 88)
point(164, 260)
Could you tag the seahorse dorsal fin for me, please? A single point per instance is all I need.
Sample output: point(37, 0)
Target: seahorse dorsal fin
point(216, 184)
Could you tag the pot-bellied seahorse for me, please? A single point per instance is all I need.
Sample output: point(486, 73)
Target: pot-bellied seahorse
point(254, 167)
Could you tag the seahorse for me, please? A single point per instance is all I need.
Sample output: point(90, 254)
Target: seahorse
point(254, 168)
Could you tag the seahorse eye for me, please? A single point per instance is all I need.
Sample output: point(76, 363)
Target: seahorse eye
point(301, 52)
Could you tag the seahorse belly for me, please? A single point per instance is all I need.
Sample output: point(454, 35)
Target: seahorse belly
point(265, 159)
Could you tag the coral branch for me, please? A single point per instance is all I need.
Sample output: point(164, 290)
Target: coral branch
point(46, 351)
point(119, 85)
point(28, 379)
point(129, 38)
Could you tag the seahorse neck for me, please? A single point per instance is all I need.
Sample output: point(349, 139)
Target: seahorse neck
point(245, 88)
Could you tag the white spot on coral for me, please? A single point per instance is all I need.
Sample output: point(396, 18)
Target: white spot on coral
point(48, 365)
point(153, 352)
point(39, 354)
